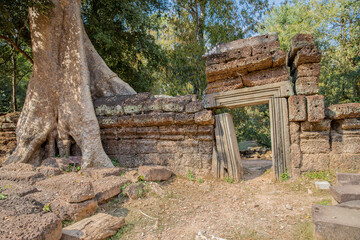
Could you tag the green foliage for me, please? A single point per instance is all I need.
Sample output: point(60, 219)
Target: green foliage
point(325, 202)
point(141, 178)
point(285, 176)
point(3, 196)
point(190, 175)
point(46, 208)
point(251, 123)
point(200, 180)
point(229, 180)
point(122, 231)
point(123, 187)
point(115, 162)
point(335, 25)
point(319, 175)
point(66, 223)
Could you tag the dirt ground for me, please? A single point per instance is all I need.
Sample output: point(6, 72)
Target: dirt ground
point(256, 208)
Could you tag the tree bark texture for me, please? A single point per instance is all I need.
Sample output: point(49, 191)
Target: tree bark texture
point(68, 74)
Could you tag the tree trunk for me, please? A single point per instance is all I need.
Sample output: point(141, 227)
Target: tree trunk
point(13, 81)
point(68, 74)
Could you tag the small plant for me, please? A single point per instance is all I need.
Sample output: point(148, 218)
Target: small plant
point(66, 223)
point(320, 175)
point(78, 168)
point(123, 187)
point(122, 173)
point(229, 179)
point(3, 196)
point(325, 202)
point(46, 208)
point(190, 175)
point(200, 180)
point(141, 178)
point(285, 176)
point(115, 162)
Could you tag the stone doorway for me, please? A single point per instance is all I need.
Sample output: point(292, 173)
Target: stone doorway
point(276, 96)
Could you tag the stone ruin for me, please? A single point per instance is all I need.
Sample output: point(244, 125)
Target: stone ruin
point(183, 133)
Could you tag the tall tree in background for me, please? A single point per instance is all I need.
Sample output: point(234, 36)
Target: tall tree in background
point(192, 27)
point(335, 25)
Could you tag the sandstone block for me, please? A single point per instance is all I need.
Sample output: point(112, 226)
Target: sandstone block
point(108, 133)
point(239, 53)
point(297, 108)
point(99, 173)
point(26, 176)
point(307, 85)
point(147, 130)
point(154, 173)
point(315, 162)
point(345, 162)
point(110, 147)
point(298, 42)
point(308, 70)
point(172, 137)
point(97, 227)
point(204, 117)
point(167, 147)
point(77, 191)
point(265, 47)
point(308, 54)
point(295, 154)
point(105, 110)
point(351, 141)
point(294, 128)
point(342, 111)
point(345, 193)
point(336, 222)
point(268, 76)
point(73, 211)
point(174, 104)
point(279, 58)
point(226, 70)
point(109, 187)
point(184, 118)
point(321, 126)
point(336, 142)
point(314, 142)
point(234, 86)
point(259, 62)
point(348, 179)
point(12, 188)
point(206, 147)
point(206, 129)
point(193, 107)
point(224, 85)
point(315, 108)
point(134, 190)
point(350, 124)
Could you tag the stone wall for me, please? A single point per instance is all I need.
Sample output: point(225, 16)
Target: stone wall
point(322, 138)
point(143, 129)
point(7, 133)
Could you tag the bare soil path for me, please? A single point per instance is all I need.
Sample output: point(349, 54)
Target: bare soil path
point(258, 208)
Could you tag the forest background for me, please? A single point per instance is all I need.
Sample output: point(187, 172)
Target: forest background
point(157, 45)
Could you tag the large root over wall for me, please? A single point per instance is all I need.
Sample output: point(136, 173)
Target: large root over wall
point(68, 74)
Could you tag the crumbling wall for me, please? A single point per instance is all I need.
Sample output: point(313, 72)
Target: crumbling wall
point(7, 133)
point(321, 138)
point(143, 129)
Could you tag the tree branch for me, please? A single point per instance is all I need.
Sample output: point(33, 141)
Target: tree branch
point(17, 48)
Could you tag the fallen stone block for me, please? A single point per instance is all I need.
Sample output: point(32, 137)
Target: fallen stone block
point(100, 173)
point(12, 188)
point(154, 173)
point(73, 211)
point(26, 176)
point(345, 193)
point(109, 187)
point(134, 190)
point(348, 179)
point(297, 108)
point(337, 223)
point(315, 108)
point(351, 205)
point(97, 227)
point(307, 85)
point(49, 171)
point(343, 111)
point(272, 75)
point(308, 54)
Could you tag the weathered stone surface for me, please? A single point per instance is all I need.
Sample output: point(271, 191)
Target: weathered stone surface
point(315, 108)
point(342, 111)
point(225, 88)
point(335, 222)
point(279, 58)
point(18, 167)
point(350, 205)
point(154, 173)
point(268, 76)
point(204, 117)
point(194, 107)
point(73, 211)
point(345, 162)
point(351, 141)
point(24, 218)
point(184, 118)
point(348, 179)
point(307, 85)
point(78, 191)
point(296, 155)
point(49, 171)
point(315, 162)
point(321, 126)
point(345, 193)
point(314, 142)
point(265, 47)
point(298, 42)
point(99, 173)
point(108, 187)
point(62, 163)
point(297, 108)
point(97, 227)
point(134, 190)
point(12, 188)
point(239, 53)
point(241, 43)
point(294, 132)
point(17, 176)
point(307, 70)
point(308, 54)
point(218, 86)
point(350, 124)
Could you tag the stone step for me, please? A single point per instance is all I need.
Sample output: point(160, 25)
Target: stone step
point(336, 223)
point(345, 193)
point(99, 226)
point(351, 205)
point(348, 179)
